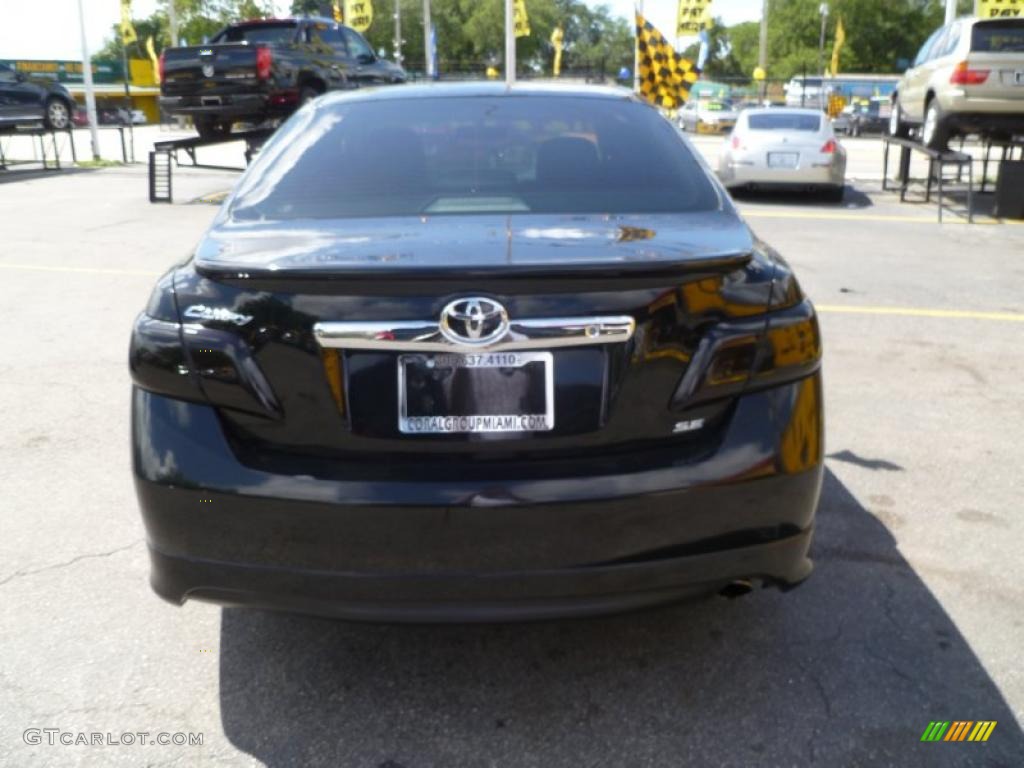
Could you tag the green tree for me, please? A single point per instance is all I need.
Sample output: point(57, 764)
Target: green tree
point(878, 35)
point(198, 20)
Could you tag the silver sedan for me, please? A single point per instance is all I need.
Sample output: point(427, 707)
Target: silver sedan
point(783, 147)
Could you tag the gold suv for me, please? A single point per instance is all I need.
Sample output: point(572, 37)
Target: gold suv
point(968, 77)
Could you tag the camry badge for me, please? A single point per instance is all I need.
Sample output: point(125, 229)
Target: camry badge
point(473, 321)
point(220, 314)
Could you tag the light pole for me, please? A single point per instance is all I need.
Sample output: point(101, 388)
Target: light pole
point(762, 47)
point(510, 42)
point(429, 67)
point(398, 32)
point(90, 96)
point(823, 10)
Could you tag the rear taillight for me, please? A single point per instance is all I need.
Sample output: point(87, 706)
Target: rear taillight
point(160, 68)
point(829, 147)
point(264, 58)
point(964, 75)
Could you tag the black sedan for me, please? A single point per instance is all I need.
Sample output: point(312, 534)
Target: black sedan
point(25, 102)
point(476, 352)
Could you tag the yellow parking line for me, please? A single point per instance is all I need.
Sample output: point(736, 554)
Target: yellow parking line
point(825, 216)
point(88, 270)
point(960, 314)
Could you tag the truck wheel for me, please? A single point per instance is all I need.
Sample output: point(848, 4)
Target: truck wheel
point(58, 114)
point(212, 128)
point(934, 133)
point(896, 125)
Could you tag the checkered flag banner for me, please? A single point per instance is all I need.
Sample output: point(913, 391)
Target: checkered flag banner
point(665, 76)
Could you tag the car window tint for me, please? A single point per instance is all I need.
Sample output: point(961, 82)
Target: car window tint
point(258, 33)
point(1006, 36)
point(458, 155)
point(922, 55)
point(324, 36)
point(6, 73)
point(784, 121)
point(356, 45)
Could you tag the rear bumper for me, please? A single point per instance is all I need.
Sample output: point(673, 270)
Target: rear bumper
point(994, 122)
point(237, 105)
point(484, 548)
point(734, 174)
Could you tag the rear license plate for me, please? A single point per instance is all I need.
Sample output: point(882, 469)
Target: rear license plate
point(480, 392)
point(783, 159)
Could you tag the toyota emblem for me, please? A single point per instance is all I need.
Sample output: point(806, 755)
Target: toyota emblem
point(474, 321)
point(208, 70)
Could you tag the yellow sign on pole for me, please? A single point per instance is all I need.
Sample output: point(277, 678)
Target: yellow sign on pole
point(128, 35)
point(692, 16)
point(993, 9)
point(359, 14)
point(521, 18)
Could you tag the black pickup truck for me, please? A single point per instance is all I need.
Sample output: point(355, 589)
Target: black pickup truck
point(263, 69)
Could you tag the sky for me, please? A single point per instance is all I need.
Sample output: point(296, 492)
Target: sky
point(34, 29)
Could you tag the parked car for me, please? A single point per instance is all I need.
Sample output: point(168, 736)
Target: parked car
point(967, 78)
point(784, 147)
point(24, 101)
point(476, 352)
point(870, 116)
point(264, 69)
point(704, 116)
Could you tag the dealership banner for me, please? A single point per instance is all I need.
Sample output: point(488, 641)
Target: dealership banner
point(1010, 9)
point(691, 16)
point(67, 71)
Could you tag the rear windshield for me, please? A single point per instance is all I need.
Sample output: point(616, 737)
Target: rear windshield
point(783, 121)
point(998, 37)
point(276, 32)
point(460, 155)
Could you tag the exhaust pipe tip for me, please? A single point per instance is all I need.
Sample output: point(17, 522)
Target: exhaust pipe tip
point(737, 588)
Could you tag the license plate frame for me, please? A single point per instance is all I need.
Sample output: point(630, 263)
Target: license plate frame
point(785, 160)
point(478, 423)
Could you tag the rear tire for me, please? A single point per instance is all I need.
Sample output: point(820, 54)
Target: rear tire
point(934, 132)
point(212, 128)
point(58, 114)
point(897, 127)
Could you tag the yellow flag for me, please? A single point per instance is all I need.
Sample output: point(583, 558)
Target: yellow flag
point(692, 16)
point(557, 38)
point(837, 46)
point(128, 35)
point(151, 51)
point(665, 76)
point(522, 20)
point(359, 14)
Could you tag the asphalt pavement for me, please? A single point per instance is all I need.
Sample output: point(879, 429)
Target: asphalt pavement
point(914, 612)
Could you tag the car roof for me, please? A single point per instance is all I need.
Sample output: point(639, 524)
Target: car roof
point(471, 89)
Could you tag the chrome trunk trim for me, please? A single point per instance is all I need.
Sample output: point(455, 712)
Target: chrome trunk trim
point(425, 335)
